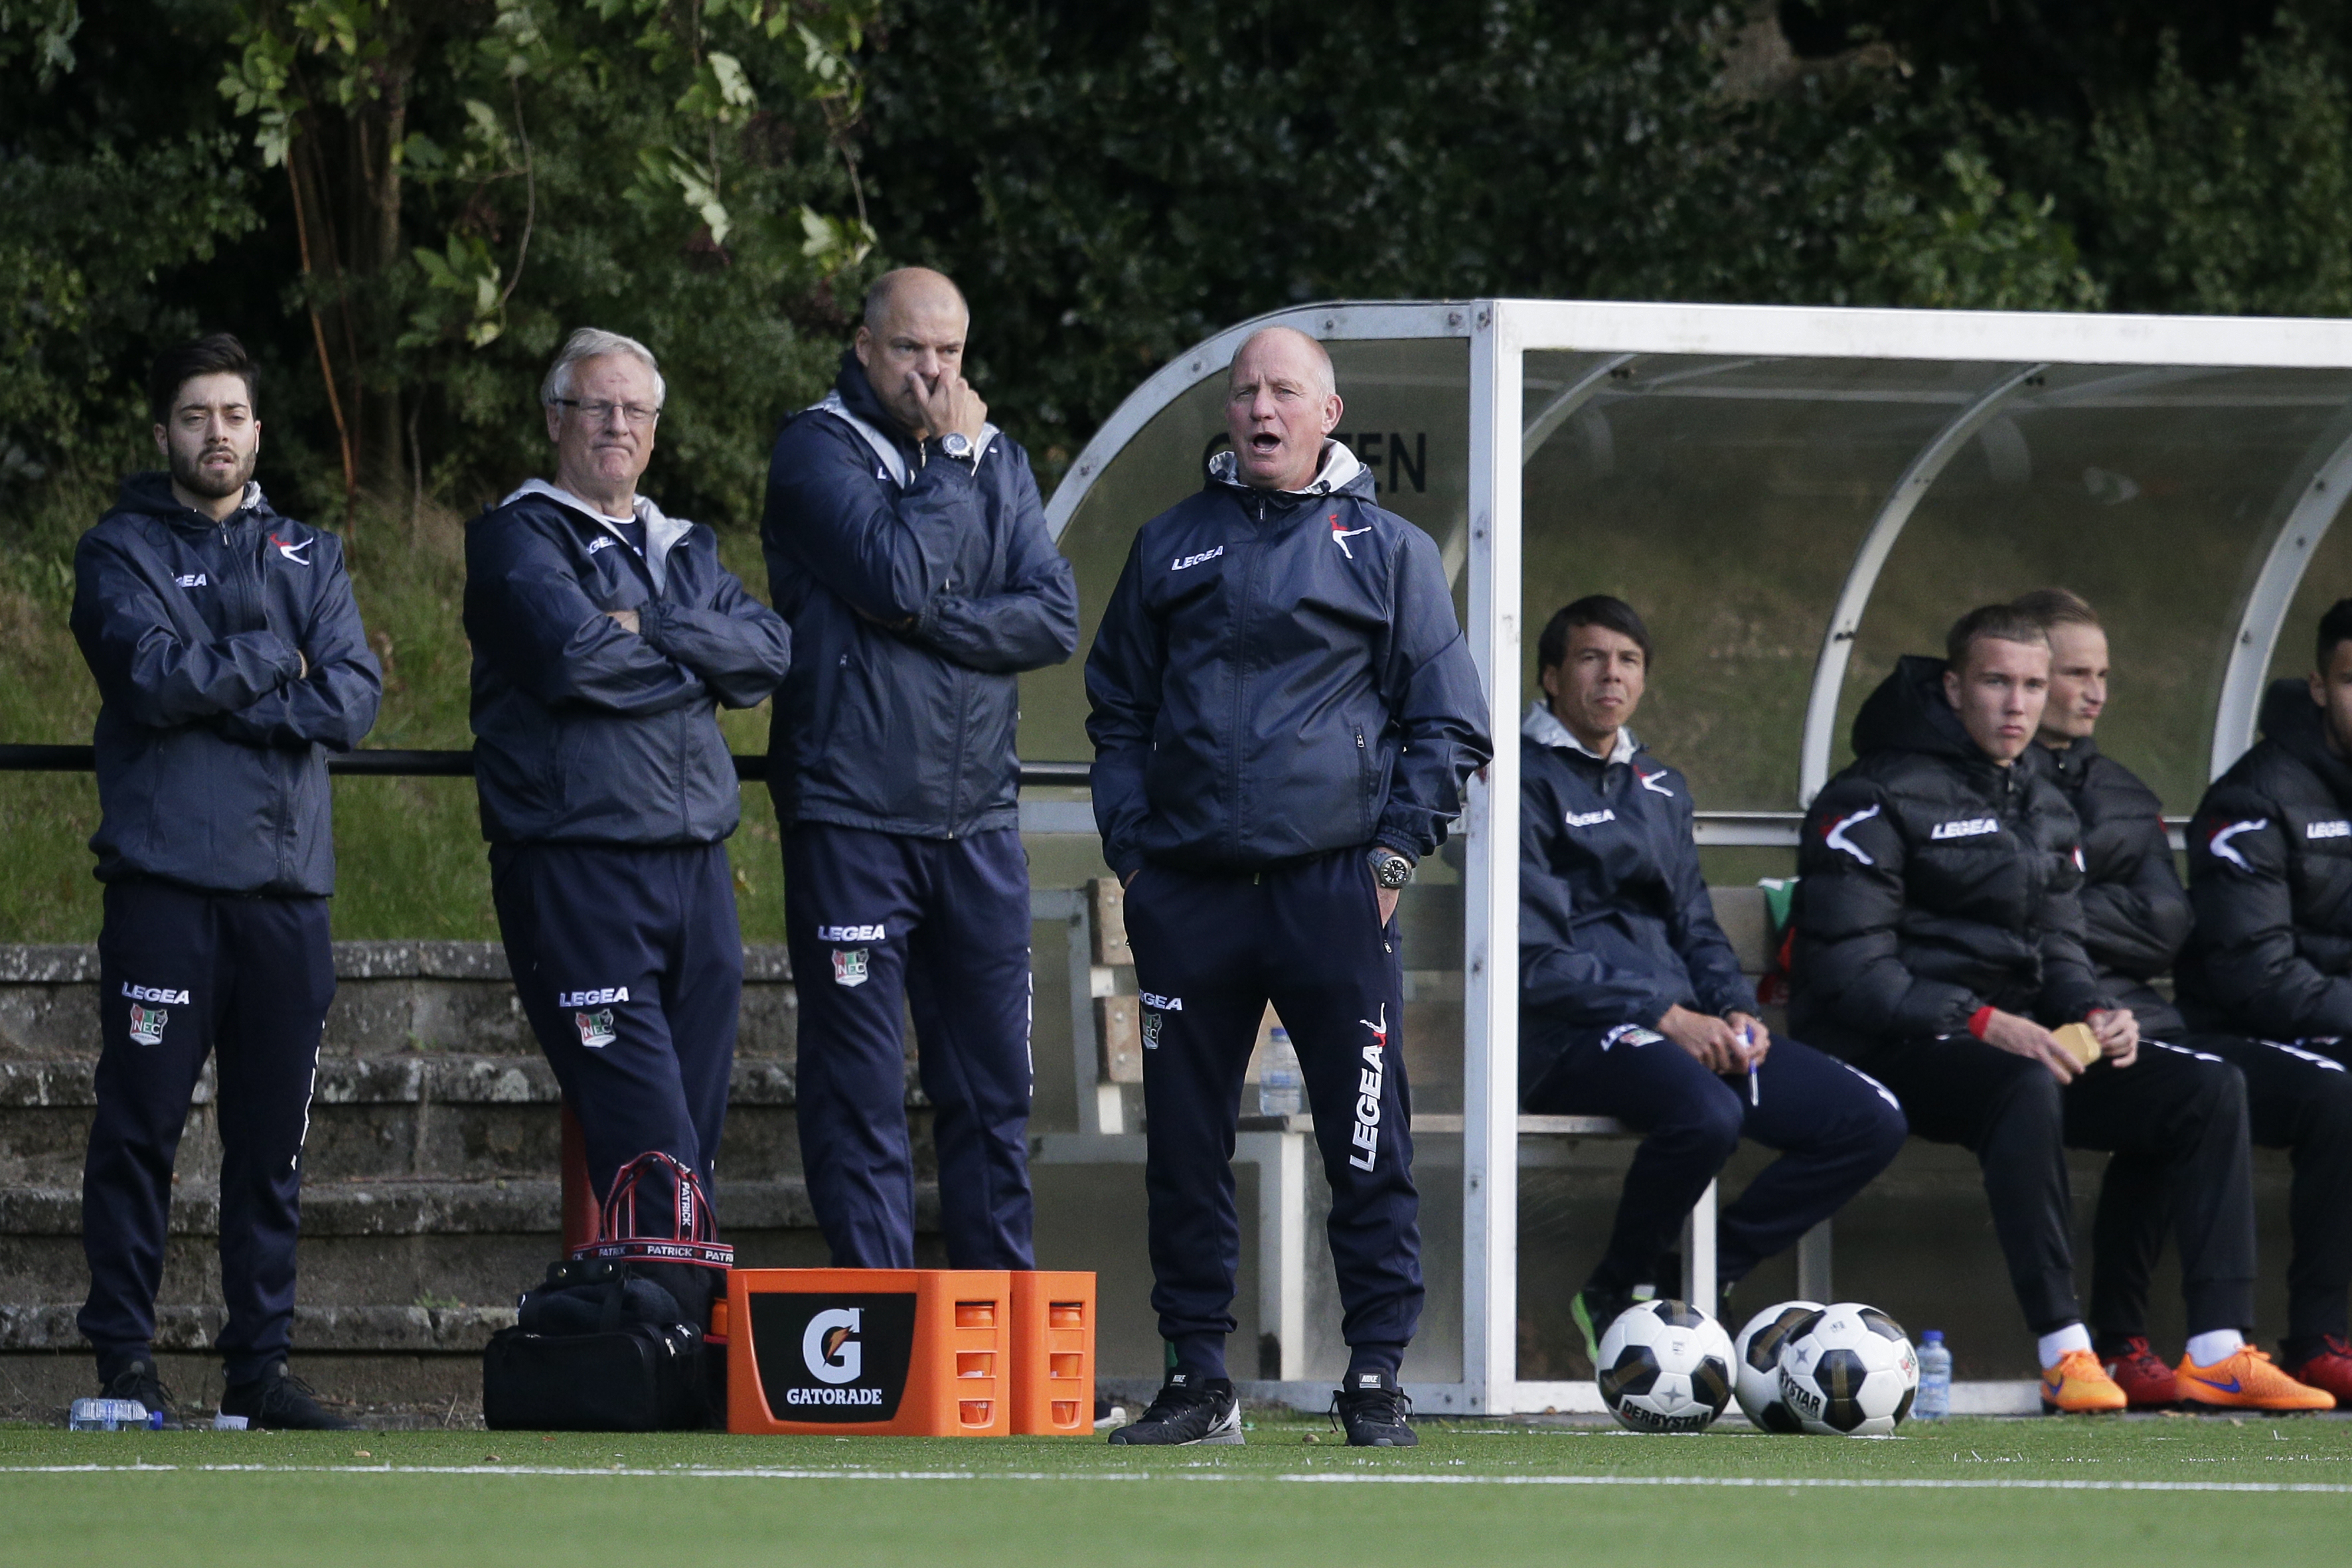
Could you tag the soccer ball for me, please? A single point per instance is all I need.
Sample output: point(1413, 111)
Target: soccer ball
point(1755, 1364)
point(1850, 1369)
point(1665, 1367)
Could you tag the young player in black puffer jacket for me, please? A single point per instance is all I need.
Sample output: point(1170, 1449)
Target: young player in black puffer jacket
point(2269, 967)
point(1939, 938)
point(2135, 917)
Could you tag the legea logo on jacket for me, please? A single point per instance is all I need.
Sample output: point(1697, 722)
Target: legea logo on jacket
point(193, 580)
point(593, 998)
point(1967, 827)
point(1183, 562)
point(163, 994)
point(2336, 829)
point(296, 554)
point(1835, 833)
point(1339, 536)
point(852, 933)
point(1589, 819)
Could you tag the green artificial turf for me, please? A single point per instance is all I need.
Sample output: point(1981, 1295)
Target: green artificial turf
point(2077, 1492)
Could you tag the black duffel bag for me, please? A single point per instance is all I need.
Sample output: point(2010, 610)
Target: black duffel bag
point(616, 1338)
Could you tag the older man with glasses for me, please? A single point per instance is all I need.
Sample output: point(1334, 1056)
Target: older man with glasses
point(606, 635)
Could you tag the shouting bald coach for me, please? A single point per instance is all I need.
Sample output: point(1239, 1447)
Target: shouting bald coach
point(1283, 713)
point(906, 546)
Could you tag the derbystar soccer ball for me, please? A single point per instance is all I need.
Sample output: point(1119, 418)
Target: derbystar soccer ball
point(1755, 1364)
point(1665, 1367)
point(1848, 1369)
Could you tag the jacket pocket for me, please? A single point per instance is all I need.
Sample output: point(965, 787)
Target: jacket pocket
point(1368, 784)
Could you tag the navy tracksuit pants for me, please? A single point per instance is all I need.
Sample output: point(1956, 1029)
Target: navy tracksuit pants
point(881, 924)
point(1835, 1127)
point(629, 963)
point(183, 975)
point(1211, 950)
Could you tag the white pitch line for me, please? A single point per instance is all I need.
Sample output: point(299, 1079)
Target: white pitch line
point(1812, 1483)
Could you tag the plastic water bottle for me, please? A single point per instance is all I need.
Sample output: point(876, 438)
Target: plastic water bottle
point(1281, 1088)
point(112, 1415)
point(1934, 1400)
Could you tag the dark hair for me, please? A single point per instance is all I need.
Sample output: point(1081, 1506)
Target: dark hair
point(214, 353)
point(2335, 626)
point(1592, 610)
point(2056, 607)
point(2004, 623)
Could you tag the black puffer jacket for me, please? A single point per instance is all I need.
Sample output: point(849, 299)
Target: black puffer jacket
point(2135, 912)
point(2269, 875)
point(212, 743)
point(1933, 882)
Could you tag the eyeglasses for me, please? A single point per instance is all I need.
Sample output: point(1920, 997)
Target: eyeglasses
point(598, 412)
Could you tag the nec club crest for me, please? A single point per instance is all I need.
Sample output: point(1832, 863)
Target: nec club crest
point(849, 966)
point(596, 1029)
point(147, 1024)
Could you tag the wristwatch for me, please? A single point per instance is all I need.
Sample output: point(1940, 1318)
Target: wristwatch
point(956, 444)
point(1391, 870)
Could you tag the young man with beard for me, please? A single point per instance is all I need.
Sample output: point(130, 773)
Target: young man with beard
point(2135, 917)
point(2269, 967)
point(1285, 711)
point(607, 636)
point(229, 660)
point(906, 546)
point(1939, 942)
point(1631, 1002)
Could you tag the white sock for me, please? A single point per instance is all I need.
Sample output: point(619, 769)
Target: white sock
point(2052, 1348)
point(2214, 1345)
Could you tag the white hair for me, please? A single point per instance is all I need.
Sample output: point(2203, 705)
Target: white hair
point(593, 343)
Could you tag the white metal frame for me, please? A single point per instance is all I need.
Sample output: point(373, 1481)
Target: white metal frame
point(1501, 332)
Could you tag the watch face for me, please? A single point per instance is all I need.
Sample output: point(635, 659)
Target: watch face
point(956, 444)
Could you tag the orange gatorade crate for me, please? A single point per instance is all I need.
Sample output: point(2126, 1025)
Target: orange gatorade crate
point(909, 1352)
point(1054, 1354)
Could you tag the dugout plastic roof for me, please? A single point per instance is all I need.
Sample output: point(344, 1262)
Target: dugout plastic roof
point(1792, 497)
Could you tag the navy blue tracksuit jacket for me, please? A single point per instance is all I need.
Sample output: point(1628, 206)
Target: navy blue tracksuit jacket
point(918, 587)
point(606, 794)
point(1616, 927)
point(216, 844)
point(1278, 685)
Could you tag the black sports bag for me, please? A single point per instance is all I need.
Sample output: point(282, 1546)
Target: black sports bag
point(616, 1338)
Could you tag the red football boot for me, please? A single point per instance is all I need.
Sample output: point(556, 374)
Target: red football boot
point(2331, 1369)
point(2142, 1374)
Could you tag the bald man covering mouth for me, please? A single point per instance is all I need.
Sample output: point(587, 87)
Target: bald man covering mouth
point(906, 547)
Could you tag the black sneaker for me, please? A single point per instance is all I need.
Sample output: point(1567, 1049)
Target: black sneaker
point(1373, 1410)
point(138, 1380)
point(1187, 1410)
point(278, 1400)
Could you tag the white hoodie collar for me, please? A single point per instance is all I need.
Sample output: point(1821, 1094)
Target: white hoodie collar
point(1543, 727)
point(1339, 466)
point(662, 531)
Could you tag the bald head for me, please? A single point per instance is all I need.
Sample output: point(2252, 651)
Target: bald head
point(916, 289)
point(1280, 405)
point(1276, 349)
point(911, 344)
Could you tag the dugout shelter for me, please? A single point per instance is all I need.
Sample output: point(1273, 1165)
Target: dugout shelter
point(1792, 497)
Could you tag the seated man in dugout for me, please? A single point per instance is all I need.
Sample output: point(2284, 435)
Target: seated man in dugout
point(2136, 920)
point(1632, 1001)
point(2268, 971)
point(1939, 944)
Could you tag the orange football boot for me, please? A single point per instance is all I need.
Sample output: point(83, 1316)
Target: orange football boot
point(2245, 1379)
point(2079, 1385)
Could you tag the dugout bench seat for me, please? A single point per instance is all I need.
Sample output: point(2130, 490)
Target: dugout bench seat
point(1106, 1044)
